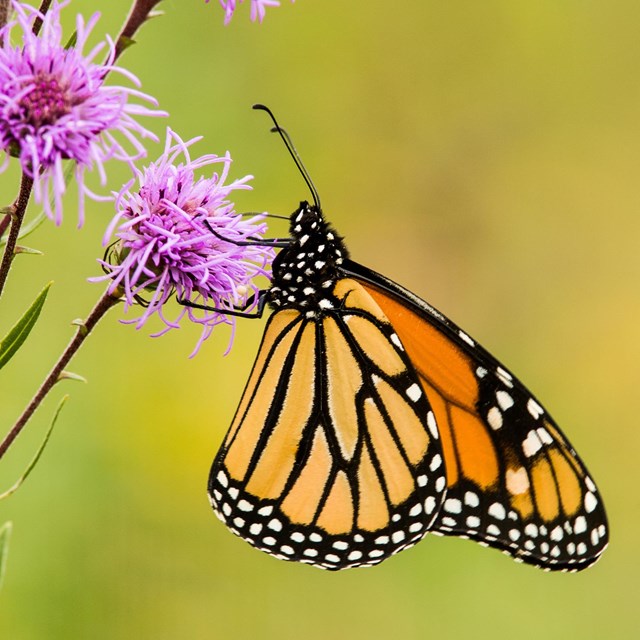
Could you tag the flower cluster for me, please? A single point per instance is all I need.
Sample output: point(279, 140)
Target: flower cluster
point(179, 234)
point(257, 8)
point(55, 106)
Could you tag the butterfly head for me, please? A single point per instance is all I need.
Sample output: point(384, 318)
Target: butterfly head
point(304, 273)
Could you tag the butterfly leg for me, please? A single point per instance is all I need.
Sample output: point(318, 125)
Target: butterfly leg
point(239, 311)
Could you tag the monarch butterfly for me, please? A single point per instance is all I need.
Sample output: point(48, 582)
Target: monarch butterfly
point(370, 419)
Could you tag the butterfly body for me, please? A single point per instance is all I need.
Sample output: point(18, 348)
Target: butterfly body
point(305, 272)
point(370, 419)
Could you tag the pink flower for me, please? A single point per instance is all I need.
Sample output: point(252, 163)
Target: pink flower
point(257, 8)
point(178, 234)
point(54, 106)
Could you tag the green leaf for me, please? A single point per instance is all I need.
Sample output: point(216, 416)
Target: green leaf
point(69, 375)
point(5, 534)
point(18, 334)
point(35, 459)
point(124, 42)
point(22, 249)
point(73, 40)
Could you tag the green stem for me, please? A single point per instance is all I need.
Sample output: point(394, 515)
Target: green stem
point(102, 306)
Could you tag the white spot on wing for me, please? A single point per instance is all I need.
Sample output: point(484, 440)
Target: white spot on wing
point(505, 376)
point(466, 338)
point(432, 425)
point(531, 444)
point(590, 502)
point(534, 408)
point(471, 499)
point(453, 505)
point(222, 479)
point(557, 534)
point(505, 401)
point(275, 524)
point(414, 392)
point(494, 418)
point(517, 481)
point(544, 435)
point(245, 505)
point(429, 505)
point(398, 536)
point(497, 511)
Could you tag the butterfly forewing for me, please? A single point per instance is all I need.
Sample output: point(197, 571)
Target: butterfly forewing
point(333, 457)
point(514, 481)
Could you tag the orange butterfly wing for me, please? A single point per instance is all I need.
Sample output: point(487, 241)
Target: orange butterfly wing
point(332, 458)
point(514, 482)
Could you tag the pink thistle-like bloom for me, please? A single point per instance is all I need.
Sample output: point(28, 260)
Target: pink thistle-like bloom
point(179, 234)
point(257, 8)
point(55, 106)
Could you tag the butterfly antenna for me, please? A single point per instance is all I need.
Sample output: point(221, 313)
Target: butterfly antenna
point(294, 154)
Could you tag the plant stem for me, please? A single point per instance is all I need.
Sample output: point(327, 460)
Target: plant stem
point(37, 23)
point(4, 223)
point(102, 306)
point(17, 216)
point(140, 10)
point(4, 12)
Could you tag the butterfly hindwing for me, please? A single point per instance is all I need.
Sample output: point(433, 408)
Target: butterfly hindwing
point(514, 481)
point(333, 457)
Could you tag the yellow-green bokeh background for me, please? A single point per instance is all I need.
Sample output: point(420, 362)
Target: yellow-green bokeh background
point(486, 155)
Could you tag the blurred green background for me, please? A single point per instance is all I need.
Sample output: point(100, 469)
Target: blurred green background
point(484, 154)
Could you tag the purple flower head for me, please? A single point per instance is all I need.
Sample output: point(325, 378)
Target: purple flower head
point(54, 106)
point(171, 239)
point(257, 8)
